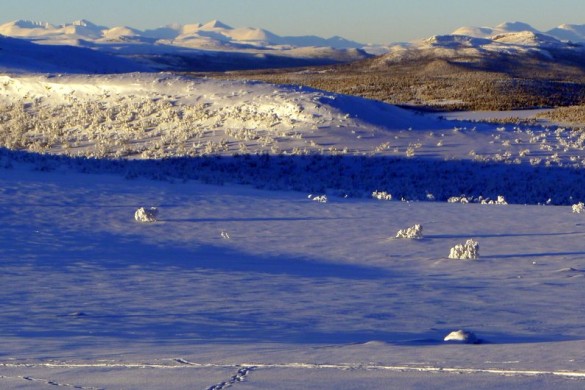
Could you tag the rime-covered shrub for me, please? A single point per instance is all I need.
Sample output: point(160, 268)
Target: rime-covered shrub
point(458, 199)
point(467, 251)
point(579, 208)
point(500, 201)
point(318, 198)
point(146, 215)
point(381, 195)
point(414, 232)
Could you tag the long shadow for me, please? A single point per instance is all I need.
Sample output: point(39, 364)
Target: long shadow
point(408, 178)
point(109, 251)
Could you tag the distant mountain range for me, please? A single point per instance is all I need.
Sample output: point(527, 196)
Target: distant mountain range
point(213, 34)
point(215, 46)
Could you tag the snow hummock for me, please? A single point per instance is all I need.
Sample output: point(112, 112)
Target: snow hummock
point(462, 336)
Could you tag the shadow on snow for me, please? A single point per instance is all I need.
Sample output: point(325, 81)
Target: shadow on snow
point(355, 176)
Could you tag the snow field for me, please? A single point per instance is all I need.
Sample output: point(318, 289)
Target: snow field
point(294, 275)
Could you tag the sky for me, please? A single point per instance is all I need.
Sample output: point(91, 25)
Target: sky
point(366, 21)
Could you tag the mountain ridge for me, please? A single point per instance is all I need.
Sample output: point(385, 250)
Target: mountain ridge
point(176, 33)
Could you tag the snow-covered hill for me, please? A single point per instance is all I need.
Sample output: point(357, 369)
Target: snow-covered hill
point(473, 44)
point(564, 32)
point(140, 118)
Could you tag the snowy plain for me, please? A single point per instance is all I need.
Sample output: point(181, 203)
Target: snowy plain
point(237, 286)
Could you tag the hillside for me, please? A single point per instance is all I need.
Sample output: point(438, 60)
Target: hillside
point(512, 70)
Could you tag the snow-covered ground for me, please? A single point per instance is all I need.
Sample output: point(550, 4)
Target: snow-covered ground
point(302, 286)
point(289, 292)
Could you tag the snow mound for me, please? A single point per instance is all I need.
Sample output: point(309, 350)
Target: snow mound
point(462, 336)
point(415, 232)
point(467, 251)
point(146, 215)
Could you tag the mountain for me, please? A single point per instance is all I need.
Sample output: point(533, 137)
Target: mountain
point(213, 46)
point(486, 32)
point(212, 33)
point(568, 32)
point(565, 32)
point(507, 67)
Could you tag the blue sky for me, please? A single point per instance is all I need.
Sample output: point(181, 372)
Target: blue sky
point(368, 21)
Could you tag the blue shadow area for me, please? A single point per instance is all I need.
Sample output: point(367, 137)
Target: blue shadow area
point(356, 176)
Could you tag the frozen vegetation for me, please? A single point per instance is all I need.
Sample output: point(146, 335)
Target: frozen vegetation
point(146, 215)
point(413, 232)
point(467, 251)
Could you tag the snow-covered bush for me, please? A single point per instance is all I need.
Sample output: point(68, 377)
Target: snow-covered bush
point(381, 195)
point(579, 208)
point(414, 232)
point(500, 201)
point(458, 199)
point(467, 251)
point(146, 215)
point(319, 198)
point(462, 336)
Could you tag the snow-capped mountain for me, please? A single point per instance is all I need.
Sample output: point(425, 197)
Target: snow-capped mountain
point(213, 46)
point(213, 31)
point(472, 44)
point(564, 32)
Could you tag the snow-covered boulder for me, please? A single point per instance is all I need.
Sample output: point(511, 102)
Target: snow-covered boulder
point(462, 336)
point(579, 208)
point(414, 232)
point(146, 215)
point(467, 251)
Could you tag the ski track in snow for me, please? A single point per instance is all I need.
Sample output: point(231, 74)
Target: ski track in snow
point(244, 369)
point(47, 382)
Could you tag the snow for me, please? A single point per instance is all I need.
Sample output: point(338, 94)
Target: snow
point(299, 286)
point(300, 290)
